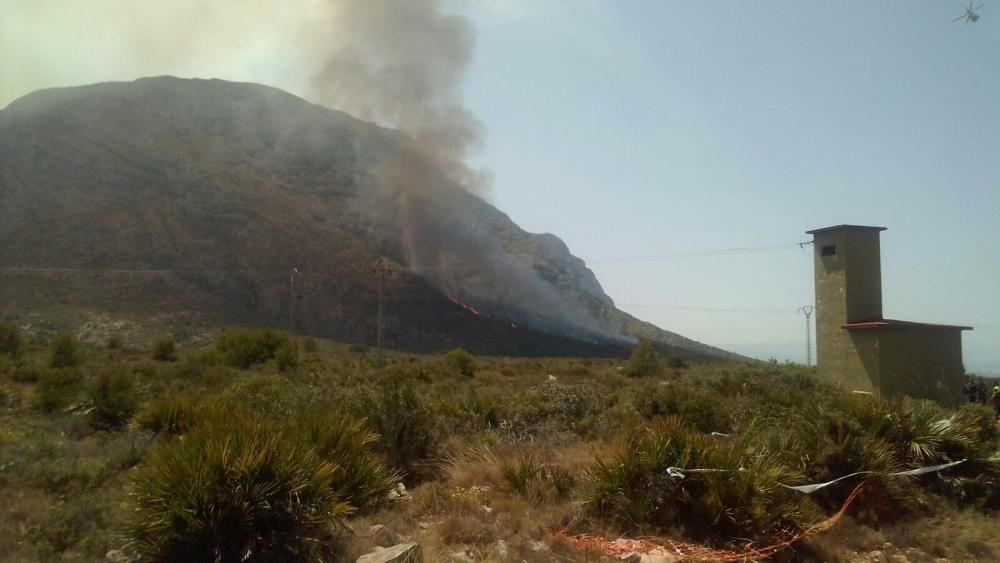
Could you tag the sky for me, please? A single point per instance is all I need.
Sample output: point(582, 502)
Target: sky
point(654, 135)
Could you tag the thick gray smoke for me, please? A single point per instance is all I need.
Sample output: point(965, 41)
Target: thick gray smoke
point(401, 65)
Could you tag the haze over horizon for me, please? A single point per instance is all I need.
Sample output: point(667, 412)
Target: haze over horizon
point(645, 133)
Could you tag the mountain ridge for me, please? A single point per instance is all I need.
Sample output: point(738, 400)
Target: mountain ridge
point(198, 175)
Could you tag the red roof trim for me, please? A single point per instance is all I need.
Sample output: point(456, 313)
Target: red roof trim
point(892, 323)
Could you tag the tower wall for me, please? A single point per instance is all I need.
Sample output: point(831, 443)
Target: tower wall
point(848, 278)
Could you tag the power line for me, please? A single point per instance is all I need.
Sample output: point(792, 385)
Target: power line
point(698, 253)
point(788, 311)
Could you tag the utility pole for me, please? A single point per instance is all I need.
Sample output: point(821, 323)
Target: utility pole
point(807, 310)
point(291, 299)
point(380, 272)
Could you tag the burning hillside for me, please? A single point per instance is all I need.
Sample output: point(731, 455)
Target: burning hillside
point(225, 188)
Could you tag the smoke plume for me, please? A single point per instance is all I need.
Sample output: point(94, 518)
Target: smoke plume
point(401, 65)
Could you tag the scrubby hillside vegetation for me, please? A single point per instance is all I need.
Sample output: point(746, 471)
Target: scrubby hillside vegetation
point(248, 204)
point(257, 445)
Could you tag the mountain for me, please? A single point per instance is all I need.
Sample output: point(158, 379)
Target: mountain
point(250, 205)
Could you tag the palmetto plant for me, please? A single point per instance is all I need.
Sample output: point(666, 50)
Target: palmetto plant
point(640, 486)
point(362, 478)
point(233, 494)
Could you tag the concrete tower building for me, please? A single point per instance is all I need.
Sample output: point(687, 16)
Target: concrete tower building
point(856, 346)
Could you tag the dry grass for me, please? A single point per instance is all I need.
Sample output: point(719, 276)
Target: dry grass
point(509, 448)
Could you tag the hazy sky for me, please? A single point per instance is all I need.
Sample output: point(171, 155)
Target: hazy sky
point(641, 132)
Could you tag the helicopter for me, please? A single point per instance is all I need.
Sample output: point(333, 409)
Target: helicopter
point(970, 15)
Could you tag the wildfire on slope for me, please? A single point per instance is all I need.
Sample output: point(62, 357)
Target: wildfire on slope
point(473, 310)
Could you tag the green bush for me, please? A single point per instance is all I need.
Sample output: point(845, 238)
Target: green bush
point(568, 402)
point(69, 478)
point(112, 400)
point(170, 415)
point(57, 388)
point(563, 481)
point(244, 348)
point(643, 361)
point(634, 487)
point(678, 363)
point(27, 373)
point(277, 396)
point(706, 412)
point(207, 357)
point(406, 424)
point(287, 356)
point(65, 351)
point(231, 493)
point(523, 475)
point(165, 350)
point(11, 342)
point(461, 362)
point(362, 479)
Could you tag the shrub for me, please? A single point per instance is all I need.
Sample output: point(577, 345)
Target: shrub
point(643, 361)
point(26, 374)
point(563, 481)
point(56, 388)
point(207, 357)
point(635, 488)
point(277, 396)
point(244, 348)
point(461, 362)
point(114, 342)
point(406, 424)
point(362, 479)
point(170, 415)
point(233, 493)
point(309, 345)
point(523, 475)
point(677, 363)
point(568, 402)
point(165, 350)
point(11, 342)
point(287, 356)
point(65, 351)
point(112, 399)
point(69, 477)
point(705, 412)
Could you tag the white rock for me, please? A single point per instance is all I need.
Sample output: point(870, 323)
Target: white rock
point(383, 535)
point(538, 546)
point(120, 556)
point(402, 553)
point(657, 558)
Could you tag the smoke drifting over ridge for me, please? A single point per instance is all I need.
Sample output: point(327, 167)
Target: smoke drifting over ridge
point(401, 65)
